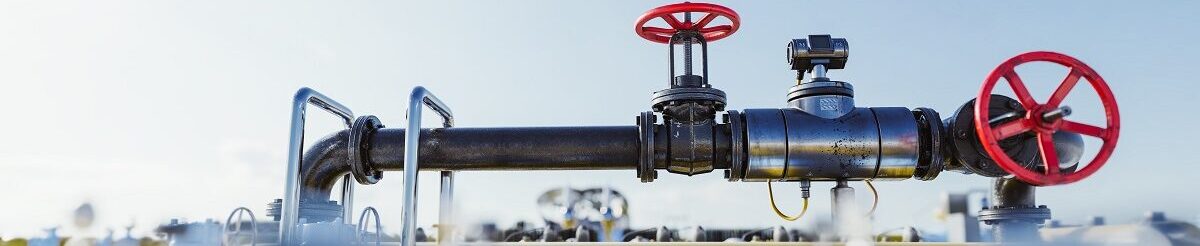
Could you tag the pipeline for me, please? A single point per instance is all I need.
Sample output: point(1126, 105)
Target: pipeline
point(475, 149)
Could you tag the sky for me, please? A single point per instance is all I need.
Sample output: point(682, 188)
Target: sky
point(152, 110)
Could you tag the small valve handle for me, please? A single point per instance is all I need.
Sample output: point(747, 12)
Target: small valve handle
point(1044, 119)
point(666, 12)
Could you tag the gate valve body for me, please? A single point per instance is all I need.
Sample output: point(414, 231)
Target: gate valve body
point(1044, 120)
point(690, 104)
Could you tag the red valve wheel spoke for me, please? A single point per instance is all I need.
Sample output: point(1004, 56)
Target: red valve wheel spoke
point(1019, 88)
point(1064, 88)
point(989, 136)
point(716, 29)
point(706, 19)
point(1012, 128)
point(1049, 155)
point(667, 13)
point(658, 30)
point(673, 22)
point(1082, 128)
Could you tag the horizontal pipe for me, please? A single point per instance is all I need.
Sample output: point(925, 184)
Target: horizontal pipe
point(476, 149)
point(504, 149)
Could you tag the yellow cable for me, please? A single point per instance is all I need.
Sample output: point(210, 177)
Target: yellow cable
point(771, 194)
point(874, 202)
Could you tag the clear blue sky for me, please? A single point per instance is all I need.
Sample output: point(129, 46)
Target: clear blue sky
point(159, 109)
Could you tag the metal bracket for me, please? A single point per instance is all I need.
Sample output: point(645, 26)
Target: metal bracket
point(290, 207)
point(412, 142)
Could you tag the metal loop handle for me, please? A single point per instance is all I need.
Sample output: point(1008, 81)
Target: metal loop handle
point(419, 98)
point(290, 209)
point(362, 227)
point(238, 228)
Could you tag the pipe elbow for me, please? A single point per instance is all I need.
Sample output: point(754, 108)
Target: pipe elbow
point(321, 165)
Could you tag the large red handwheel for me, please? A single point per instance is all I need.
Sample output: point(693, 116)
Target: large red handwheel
point(1040, 118)
point(666, 12)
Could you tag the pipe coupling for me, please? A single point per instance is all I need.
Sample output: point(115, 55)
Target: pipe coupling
point(360, 133)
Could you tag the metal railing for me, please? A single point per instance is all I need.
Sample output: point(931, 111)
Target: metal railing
point(290, 207)
point(419, 98)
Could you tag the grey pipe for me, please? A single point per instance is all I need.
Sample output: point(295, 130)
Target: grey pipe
point(476, 149)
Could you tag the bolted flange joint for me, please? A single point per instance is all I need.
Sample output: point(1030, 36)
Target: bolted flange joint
point(360, 132)
point(931, 159)
point(646, 130)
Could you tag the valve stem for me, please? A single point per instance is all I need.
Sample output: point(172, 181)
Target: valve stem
point(1056, 114)
point(687, 47)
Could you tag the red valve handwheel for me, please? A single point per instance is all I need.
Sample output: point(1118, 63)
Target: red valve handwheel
point(1033, 120)
point(712, 11)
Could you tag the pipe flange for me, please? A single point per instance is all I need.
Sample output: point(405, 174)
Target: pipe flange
point(737, 153)
point(820, 88)
point(930, 161)
point(992, 215)
point(360, 131)
point(645, 170)
point(662, 98)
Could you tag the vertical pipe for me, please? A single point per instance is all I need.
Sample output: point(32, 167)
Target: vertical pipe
point(445, 211)
point(819, 71)
point(1012, 194)
point(843, 207)
point(852, 226)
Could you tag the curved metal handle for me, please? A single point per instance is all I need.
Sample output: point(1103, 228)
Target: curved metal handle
point(412, 141)
point(290, 209)
point(362, 226)
point(238, 228)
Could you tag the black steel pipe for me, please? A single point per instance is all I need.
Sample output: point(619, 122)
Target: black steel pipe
point(476, 149)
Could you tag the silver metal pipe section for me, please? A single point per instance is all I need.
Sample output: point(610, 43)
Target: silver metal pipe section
point(867, 143)
point(291, 196)
point(417, 100)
